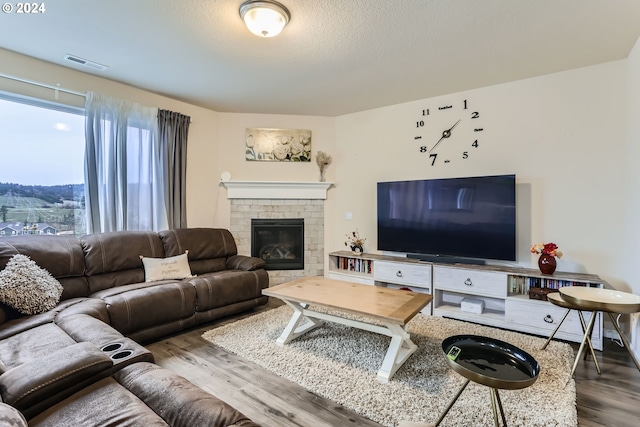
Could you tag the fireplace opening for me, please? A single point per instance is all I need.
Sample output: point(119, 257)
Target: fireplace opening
point(280, 242)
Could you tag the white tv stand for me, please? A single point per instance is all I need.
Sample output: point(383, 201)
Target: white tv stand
point(502, 290)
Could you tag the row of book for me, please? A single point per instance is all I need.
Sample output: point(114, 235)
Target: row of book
point(522, 284)
point(355, 264)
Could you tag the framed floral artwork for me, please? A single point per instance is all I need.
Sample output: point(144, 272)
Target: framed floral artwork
point(278, 145)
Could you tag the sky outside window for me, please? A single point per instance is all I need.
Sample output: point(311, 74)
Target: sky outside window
point(40, 146)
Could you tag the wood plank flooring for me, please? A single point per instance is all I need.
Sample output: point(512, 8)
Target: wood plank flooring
point(611, 399)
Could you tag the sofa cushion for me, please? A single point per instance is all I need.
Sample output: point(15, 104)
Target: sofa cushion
point(28, 384)
point(33, 344)
point(25, 323)
point(179, 402)
point(227, 287)
point(243, 262)
point(74, 287)
point(114, 279)
point(208, 247)
point(143, 305)
point(62, 256)
point(113, 259)
point(82, 327)
point(104, 403)
point(175, 267)
point(93, 307)
point(27, 287)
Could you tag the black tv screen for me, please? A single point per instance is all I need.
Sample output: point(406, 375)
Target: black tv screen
point(471, 217)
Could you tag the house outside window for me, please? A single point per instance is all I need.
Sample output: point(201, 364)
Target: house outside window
point(42, 173)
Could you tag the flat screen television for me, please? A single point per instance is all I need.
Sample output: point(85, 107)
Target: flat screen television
point(443, 220)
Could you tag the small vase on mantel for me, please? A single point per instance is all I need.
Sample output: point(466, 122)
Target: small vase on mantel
point(547, 264)
point(357, 250)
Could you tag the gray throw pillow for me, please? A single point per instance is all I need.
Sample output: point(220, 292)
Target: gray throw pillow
point(28, 288)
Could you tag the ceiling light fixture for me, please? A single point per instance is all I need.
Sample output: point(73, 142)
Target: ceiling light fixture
point(264, 18)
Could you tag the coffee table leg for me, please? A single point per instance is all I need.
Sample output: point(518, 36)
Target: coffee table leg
point(293, 329)
point(400, 348)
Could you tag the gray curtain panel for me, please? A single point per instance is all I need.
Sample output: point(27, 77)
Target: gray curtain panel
point(123, 166)
point(173, 131)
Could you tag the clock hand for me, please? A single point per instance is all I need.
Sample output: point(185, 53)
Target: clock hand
point(445, 134)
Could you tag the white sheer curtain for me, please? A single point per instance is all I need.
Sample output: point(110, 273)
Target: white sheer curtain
point(123, 173)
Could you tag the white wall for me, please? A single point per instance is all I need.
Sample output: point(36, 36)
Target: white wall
point(631, 254)
point(563, 135)
point(231, 157)
point(231, 152)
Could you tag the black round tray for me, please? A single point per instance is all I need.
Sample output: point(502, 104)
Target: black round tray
point(490, 362)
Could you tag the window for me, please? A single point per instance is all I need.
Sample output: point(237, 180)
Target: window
point(42, 174)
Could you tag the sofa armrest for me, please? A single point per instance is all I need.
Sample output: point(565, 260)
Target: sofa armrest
point(243, 262)
point(33, 382)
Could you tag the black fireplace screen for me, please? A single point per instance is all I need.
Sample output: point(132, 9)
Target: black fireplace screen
point(280, 242)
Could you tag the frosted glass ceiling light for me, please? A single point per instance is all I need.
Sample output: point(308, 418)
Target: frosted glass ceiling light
point(264, 18)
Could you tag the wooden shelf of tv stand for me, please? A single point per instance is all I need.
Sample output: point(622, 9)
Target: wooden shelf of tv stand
point(513, 271)
point(503, 309)
point(377, 257)
point(336, 272)
point(382, 270)
point(509, 309)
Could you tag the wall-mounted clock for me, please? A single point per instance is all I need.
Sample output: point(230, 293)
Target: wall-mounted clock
point(448, 132)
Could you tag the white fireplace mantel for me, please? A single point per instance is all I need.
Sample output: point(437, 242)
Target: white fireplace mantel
point(276, 189)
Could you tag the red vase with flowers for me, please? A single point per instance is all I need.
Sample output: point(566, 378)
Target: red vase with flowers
point(548, 253)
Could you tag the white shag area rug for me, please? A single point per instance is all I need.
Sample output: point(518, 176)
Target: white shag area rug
point(340, 363)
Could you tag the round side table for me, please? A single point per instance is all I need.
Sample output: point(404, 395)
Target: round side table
point(607, 301)
point(556, 299)
point(490, 362)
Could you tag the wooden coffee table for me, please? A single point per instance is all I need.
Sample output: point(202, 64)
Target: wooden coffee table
point(391, 307)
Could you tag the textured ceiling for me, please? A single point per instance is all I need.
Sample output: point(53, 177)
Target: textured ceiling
point(334, 57)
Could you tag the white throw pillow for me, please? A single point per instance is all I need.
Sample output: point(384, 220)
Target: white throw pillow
point(175, 267)
point(28, 288)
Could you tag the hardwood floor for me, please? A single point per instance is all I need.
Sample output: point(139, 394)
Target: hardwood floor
point(610, 399)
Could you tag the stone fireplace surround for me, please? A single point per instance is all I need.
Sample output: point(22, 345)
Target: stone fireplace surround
point(274, 200)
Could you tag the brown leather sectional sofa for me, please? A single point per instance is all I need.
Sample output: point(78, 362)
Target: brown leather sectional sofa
point(81, 364)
